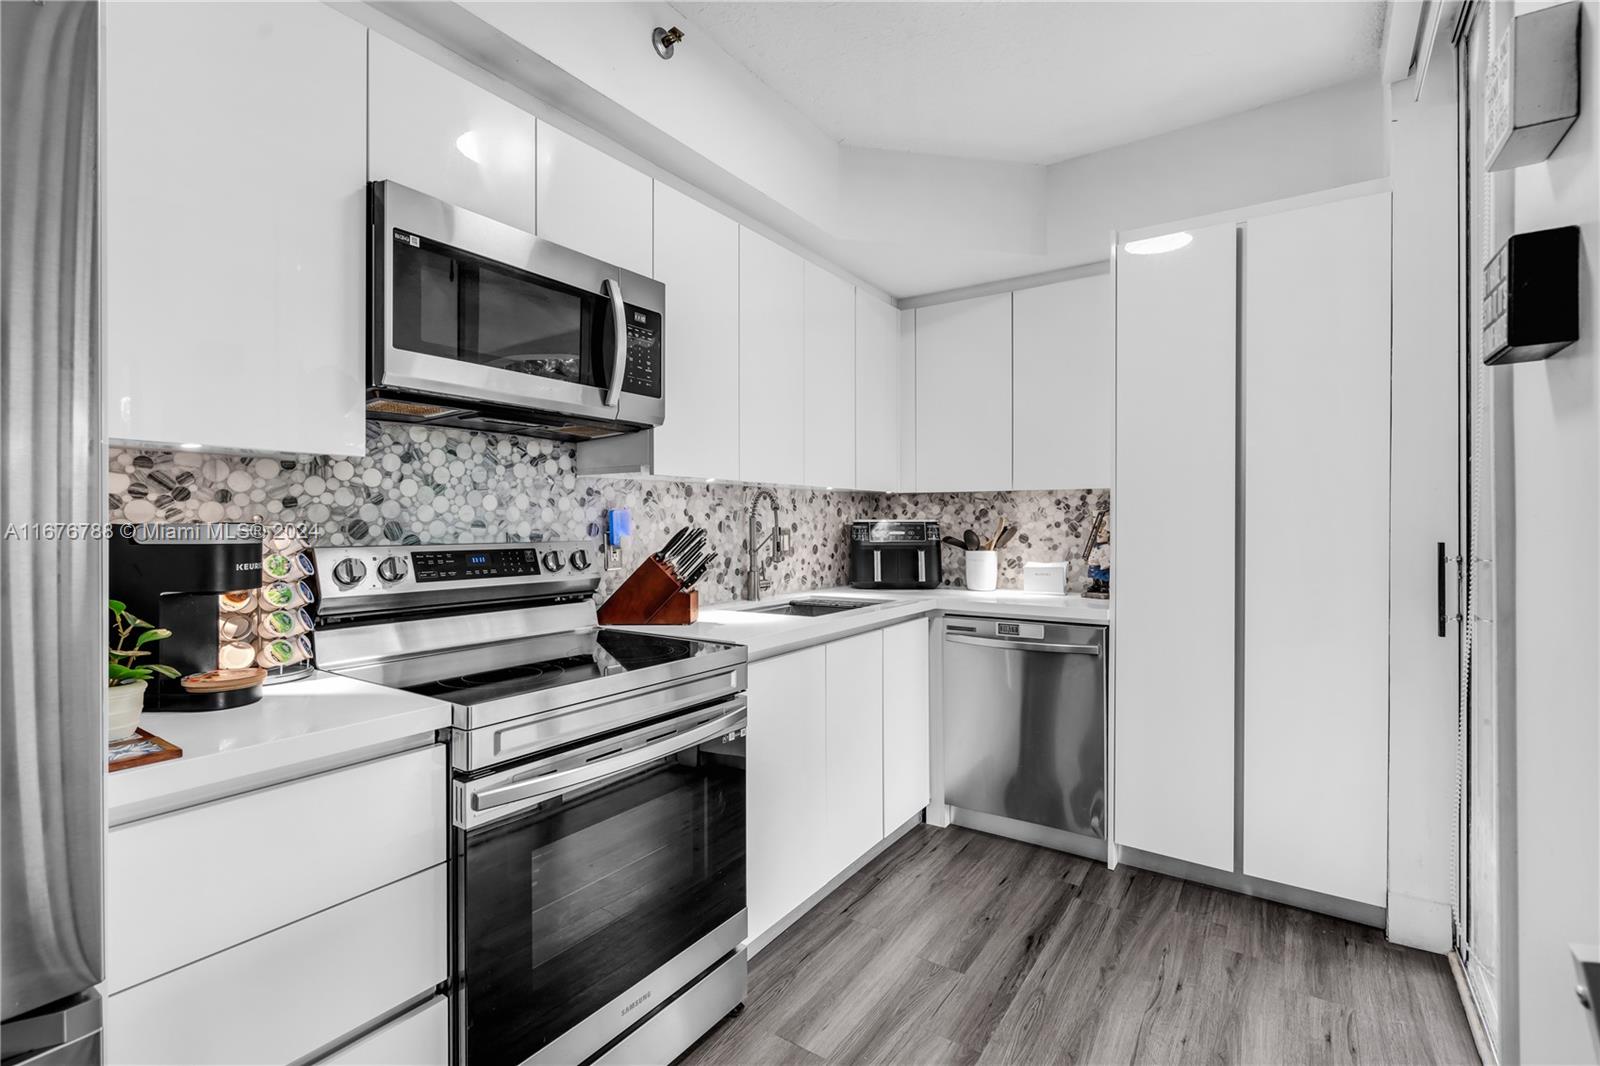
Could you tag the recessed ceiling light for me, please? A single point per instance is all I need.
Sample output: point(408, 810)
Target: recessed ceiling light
point(1167, 242)
point(467, 145)
point(191, 447)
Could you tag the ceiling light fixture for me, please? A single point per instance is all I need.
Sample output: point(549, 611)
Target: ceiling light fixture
point(664, 40)
point(191, 447)
point(1167, 242)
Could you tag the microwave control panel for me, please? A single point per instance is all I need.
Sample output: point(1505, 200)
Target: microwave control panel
point(642, 375)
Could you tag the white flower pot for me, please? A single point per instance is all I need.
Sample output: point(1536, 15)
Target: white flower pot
point(123, 704)
point(983, 570)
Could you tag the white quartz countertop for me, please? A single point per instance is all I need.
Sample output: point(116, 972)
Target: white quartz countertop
point(296, 729)
point(766, 635)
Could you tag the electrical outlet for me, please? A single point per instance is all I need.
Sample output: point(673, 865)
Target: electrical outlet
point(613, 557)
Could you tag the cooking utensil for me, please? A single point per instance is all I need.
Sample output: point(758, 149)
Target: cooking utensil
point(1005, 538)
point(994, 541)
point(953, 542)
point(973, 544)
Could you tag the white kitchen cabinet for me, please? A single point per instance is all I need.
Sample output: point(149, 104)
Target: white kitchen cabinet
point(878, 395)
point(854, 748)
point(964, 395)
point(593, 203)
point(1174, 543)
point(786, 753)
point(1064, 374)
point(908, 400)
point(234, 226)
point(184, 885)
point(772, 376)
point(436, 132)
point(1315, 372)
point(282, 996)
point(420, 1037)
point(905, 722)
point(830, 401)
point(697, 258)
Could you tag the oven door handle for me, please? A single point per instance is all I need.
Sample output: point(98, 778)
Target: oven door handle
point(546, 786)
point(619, 321)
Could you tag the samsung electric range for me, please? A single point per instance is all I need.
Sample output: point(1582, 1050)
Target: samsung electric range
point(597, 800)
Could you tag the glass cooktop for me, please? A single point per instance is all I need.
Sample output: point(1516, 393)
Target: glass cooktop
point(604, 653)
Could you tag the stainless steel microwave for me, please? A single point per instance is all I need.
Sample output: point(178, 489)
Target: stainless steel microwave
point(475, 323)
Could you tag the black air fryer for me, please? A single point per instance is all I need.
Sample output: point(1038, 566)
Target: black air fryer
point(894, 554)
point(171, 576)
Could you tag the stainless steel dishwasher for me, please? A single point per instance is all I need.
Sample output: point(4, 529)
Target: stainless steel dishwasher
point(1025, 730)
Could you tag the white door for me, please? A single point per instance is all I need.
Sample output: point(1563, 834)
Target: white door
point(436, 132)
point(785, 807)
point(905, 722)
point(235, 227)
point(878, 394)
point(1315, 374)
point(830, 343)
point(697, 258)
point(772, 375)
point(1172, 577)
point(593, 203)
point(855, 748)
point(964, 395)
point(1064, 374)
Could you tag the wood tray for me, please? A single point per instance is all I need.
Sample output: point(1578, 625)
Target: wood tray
point(141, 749)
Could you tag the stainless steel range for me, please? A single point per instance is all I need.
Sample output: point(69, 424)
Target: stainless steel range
point(597, 800)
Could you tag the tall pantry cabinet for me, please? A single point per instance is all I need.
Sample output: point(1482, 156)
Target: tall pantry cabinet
point(1251, 548)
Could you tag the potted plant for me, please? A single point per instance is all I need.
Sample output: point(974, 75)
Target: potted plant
point(126, 681)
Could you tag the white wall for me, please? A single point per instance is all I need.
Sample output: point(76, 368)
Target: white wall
point(1317, 141)
point(1556, 441)
point(1422, 512)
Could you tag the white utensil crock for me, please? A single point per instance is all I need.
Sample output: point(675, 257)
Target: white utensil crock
point(983, 571)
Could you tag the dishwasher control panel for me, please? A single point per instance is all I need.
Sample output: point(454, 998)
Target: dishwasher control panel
point(1021, 630)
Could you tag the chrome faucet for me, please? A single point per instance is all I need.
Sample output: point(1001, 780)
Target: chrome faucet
point(755, 582)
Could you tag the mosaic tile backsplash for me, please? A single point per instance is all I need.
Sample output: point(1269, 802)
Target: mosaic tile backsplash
point(437, 486)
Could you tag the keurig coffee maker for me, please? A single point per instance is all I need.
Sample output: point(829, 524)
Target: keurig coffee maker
point(176, 577)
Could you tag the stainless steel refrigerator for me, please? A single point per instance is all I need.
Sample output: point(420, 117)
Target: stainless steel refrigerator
point(52, 599)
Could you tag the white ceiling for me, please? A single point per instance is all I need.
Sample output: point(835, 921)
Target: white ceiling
point(1036, 82)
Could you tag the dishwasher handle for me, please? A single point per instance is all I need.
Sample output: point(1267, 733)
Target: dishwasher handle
point(1023, 645)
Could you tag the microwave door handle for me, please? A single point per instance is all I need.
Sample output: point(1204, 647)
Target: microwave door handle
point(619, 322)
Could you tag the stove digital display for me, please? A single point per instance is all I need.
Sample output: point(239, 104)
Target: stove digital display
point(475, 565)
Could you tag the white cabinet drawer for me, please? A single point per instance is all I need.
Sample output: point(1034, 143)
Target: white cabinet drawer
point(182, 886)
point(282, 996)
point(418, 1038)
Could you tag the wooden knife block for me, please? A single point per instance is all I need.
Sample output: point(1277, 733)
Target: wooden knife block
point(651, 597)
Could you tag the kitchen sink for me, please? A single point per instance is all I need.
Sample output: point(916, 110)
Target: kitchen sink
point(815, 608)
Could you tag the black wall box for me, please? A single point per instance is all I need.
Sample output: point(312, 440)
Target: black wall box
point(1530, 297)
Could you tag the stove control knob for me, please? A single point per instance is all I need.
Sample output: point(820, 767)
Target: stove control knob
point(392, 569)
point(579, 560)
point(349, 572)
point(552, 562)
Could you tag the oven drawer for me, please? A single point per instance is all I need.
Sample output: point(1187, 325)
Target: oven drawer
point(283, 996)
point(420, 1037)
point(184, 885)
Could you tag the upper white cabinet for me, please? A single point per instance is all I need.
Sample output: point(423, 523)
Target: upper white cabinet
point(1173, 574)
point(878, 395)
point(907, 385)
point(772, 376)
point(964, 395)
point(854, 747)
point(697, 258)
point(786, 749)
point(442, 135)
point(1064, 373)
point(234, 226)
point(905, 722)
point(593, 203)
point(830, 400)
point(1315, 371)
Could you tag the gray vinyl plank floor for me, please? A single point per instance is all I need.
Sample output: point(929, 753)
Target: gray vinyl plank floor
point(957, 947)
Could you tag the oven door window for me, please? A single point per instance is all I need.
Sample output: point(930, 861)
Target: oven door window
point(459, 306)
point(564, 908)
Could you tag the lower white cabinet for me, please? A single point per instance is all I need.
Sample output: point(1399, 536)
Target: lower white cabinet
point(905, 722)
point(785, 798)
point(285, 995)
point(854, 748)
point(420, 1037)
